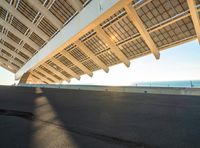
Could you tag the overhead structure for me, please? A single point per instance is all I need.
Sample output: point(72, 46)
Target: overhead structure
point(142, 30)
point(195, 16)
point(56, 40)
point(45, 12)
point(113, 47)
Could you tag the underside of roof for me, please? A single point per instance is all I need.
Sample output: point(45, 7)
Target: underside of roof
point(128, 30)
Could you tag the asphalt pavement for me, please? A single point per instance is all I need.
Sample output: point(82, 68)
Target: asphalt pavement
point(61, 118)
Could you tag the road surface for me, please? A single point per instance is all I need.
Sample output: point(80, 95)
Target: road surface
point(49, 118)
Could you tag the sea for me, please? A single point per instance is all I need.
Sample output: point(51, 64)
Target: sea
point(186, 84)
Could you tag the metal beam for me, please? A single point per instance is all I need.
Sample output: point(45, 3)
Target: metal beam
point(159, 26)
point(44, 11)
point(91, 55)
point(24, 78)
point(142, 30)
point(6, 67)
point(143, 3)
point(24, 20)
point(53, 70)
point(77, 63)
point(48, 75)
point(76, 4)
point(65, 68)
point(11, 59)
point(9, 64)
point(76, 28)
point(42, 79)
point(33, 80)
point(113, 47)
point(12, 29)
point(13, 53)
point(195, 17)
point(19, 47)
point(37, 80)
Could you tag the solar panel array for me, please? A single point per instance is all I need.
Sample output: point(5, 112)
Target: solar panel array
point(29, 42)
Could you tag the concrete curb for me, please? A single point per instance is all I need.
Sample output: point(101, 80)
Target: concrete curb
point(130, 89)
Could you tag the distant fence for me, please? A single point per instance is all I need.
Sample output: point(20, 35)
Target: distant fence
point(131, 89)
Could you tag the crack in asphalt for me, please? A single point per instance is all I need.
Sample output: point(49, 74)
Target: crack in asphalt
point(21, 114)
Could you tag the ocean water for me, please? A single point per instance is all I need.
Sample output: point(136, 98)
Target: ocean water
point(187, 84)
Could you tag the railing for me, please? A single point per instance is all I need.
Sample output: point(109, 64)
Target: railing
point(182, 84)
point(130, 89)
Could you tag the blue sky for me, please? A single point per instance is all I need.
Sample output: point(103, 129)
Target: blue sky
point(178, 63)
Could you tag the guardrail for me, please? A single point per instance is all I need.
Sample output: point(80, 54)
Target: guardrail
point(130, 89)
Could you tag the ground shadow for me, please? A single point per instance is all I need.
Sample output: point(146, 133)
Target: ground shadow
point(16, 115)
point(127, 120)
point(84, 119)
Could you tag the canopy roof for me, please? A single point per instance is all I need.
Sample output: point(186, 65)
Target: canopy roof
point(127, 30)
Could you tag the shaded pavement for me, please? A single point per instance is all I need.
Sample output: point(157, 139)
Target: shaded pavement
point(43, 118)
